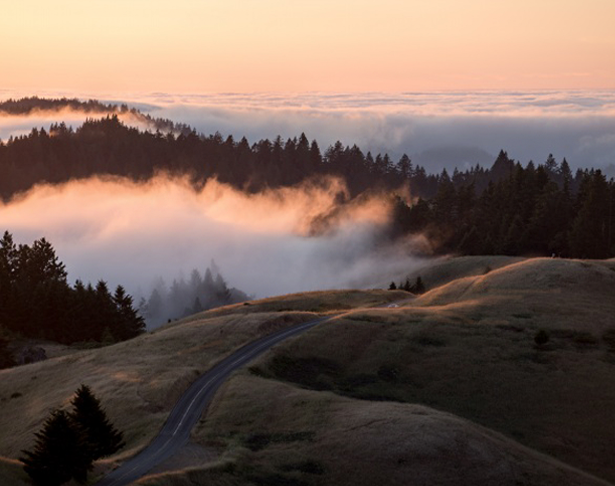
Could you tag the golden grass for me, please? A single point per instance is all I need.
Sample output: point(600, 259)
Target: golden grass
point(323, 302)
point(443, 270)
point(468, 348)
point(137, 381)
point(274, 433)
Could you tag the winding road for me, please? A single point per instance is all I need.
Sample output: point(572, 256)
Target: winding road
point(187, 411)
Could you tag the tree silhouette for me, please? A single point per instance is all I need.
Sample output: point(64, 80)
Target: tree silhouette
point(128, 322)
point(59, 453)
point(101, 438)
point(36, 300)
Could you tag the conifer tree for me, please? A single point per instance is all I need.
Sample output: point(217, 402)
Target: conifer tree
point(102, 439)
point(58, 454)
point(129, 322)
point(418, 287)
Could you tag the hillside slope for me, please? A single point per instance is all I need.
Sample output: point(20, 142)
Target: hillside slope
point(138, 381)
point(370, 396)
point(268, 432)
point(468, 348)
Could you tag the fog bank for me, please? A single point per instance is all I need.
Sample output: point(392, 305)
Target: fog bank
point(276, 242)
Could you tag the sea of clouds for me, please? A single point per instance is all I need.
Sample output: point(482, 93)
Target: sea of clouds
point(437, 130)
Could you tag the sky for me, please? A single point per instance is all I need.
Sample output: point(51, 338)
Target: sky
point(212, 46)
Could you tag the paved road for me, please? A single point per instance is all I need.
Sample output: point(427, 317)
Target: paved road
point(189, 408)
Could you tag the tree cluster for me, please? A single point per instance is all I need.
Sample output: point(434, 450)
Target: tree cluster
point(532, 210)
point(108, 147)
point(36, 300)
point(33, 104)
point(183, 298)
point(70, 442)
point(418, 287)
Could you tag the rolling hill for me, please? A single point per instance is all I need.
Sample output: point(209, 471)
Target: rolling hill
point(447, 388)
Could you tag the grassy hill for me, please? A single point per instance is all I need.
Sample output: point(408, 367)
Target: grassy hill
point(449, 388)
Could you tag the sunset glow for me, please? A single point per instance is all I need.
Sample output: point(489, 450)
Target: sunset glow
point(272, 45)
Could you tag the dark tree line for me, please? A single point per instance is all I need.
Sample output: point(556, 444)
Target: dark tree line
point(540, 210)
point(33, 104)
point(36, 300)
point(418, 287)
point(108, 147)
point(183, 298)
point(69, 442)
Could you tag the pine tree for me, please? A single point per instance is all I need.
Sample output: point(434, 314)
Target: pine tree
point(102, 438)
point(418, 287)
point(129, 322)
point(58, 454)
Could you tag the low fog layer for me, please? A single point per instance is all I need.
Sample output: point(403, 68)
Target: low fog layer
point(436, 130)
point(272, 243)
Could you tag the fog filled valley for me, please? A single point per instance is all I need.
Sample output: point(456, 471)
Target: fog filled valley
point(452, 307)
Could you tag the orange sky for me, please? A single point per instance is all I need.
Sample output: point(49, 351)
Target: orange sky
point(306, 45)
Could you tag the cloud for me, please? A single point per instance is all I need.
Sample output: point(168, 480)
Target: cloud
point(576, 125)
point(265, 244)
point(429, 127)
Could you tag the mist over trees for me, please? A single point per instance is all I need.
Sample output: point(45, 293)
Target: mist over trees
point(537, 209)
point(34, 104)
point(185, 297)
point(36, 300)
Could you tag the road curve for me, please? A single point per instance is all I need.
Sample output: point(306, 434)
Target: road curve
point(176, 431)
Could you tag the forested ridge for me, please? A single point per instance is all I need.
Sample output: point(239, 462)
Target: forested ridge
point(540, 209)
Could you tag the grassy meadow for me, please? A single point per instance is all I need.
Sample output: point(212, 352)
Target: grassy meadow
point(447, 388)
